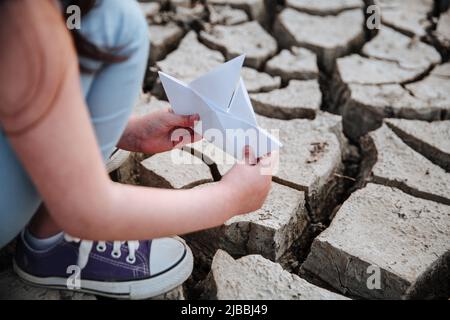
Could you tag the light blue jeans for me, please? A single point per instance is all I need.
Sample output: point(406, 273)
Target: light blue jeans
point(110, 94)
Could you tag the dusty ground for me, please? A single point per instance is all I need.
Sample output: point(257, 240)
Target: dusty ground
point(363, 190)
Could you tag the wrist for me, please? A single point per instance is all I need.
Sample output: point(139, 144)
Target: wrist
point(230, 198)
point(131, 139)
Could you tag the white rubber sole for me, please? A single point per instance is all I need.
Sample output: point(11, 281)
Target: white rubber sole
point(117, 159)
point(134, 290)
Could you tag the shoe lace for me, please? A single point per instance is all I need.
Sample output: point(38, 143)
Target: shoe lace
point(86, 248)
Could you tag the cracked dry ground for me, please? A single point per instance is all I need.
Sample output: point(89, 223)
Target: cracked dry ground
point(364, 175)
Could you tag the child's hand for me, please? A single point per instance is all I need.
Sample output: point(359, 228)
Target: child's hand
point(158, 132)
point(250, 181)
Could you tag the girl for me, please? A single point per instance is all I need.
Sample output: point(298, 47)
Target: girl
point(55, 133)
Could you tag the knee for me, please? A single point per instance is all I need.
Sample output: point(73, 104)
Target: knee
point(118, 24)
point(132, 30)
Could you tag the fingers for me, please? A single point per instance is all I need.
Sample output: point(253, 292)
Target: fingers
point(269, 163)
point(249, 156)
point(177, 120)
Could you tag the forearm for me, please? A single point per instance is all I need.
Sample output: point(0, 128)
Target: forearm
point(144, 213)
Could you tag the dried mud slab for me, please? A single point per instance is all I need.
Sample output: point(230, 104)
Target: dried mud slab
point(255, 278)
point(409, 17)
point(355, 69)
point(300, 99)
point(190, 60)
point(256, 81)
point(254, 8)
point(150, 9)
point(431, 139)
point(297, 63)
point(226, 15)
point(329, 37)
point(247, 38)
point(311, 158)
point(433, 283)
point(434, 89)
point(367, 90)
point(389, 161)
point(148, 104)
point(218, 161)
point(380, 231)
point(163, 38)
point(175, 169)
point(367, 105)
point(324, 7)
point(408, 53)
point(269, 231)
point(442, 32)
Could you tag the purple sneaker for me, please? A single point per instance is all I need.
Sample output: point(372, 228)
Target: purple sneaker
point(127, 270)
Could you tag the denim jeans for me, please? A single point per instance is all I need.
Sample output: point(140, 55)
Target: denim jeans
point(110, 94)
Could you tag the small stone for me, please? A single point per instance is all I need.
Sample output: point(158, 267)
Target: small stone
point(226, 15)
point(163, 38)
point(380, 228)
point(311, 157)
point(432, 140)
point(248, 38)
point(391, 45)
point(256, 81)
point(13, 288)
point(329, 37)
point(175, 169)
point(297, 63)
point(190, 60)
point(254, 8)
point(300, 99)
point(409, 17)
point(324, 7)
point(392, 163)
point(255, 278)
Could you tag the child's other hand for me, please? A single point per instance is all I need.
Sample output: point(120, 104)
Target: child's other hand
point(163, 130)
point(250, 181)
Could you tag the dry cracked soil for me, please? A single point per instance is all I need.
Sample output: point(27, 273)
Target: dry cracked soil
point(360, 205)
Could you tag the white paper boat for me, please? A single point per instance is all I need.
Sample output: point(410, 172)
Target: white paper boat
point(225, 109)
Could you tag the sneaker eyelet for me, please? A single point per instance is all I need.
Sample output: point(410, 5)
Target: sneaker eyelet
point(116, 254)
point(131, 260)
point(101, 248)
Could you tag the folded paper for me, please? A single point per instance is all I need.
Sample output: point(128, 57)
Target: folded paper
point(225, 109)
